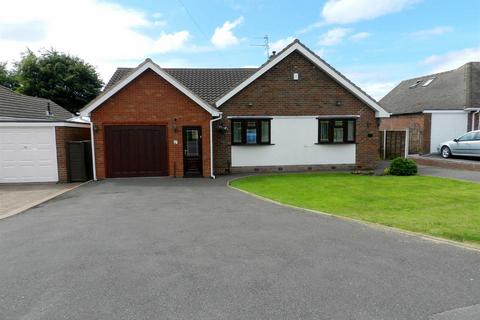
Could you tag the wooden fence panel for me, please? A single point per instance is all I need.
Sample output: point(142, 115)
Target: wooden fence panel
point(394, 144)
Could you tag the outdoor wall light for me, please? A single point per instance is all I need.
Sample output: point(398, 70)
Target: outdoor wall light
point(174, 125)
point(338, 103)
point(222, 128)
point(250, 104)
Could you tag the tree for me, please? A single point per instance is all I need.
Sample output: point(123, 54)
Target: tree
point(67, 80)
point(7, 77)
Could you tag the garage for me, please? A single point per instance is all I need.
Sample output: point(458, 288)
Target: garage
point(34, 133)
point(447, 125)
point(136, 150)
point(28, 154)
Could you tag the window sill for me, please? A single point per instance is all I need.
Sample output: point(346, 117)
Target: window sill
point(252, 145)
point(334, 143)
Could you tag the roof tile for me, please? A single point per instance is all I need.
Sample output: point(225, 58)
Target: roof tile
point(454, 89)
point(16, 105)
point(208, 84)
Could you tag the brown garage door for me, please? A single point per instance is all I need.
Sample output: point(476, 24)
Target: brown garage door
point(136, 151)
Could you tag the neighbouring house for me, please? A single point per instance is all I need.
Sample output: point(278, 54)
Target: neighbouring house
point(33, 136)
point(435, 108)
point(295, 112)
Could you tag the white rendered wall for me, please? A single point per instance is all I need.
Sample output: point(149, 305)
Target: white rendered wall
point(446, 126)
point(294, 143)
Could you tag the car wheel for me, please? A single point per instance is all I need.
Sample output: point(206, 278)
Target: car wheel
point(446, 153)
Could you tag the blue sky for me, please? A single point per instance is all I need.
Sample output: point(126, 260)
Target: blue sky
point(375, 43)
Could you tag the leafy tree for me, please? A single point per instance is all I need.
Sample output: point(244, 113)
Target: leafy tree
point(7, 78)
point(65, 79)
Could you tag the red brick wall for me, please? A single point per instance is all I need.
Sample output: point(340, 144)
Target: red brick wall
point(276, 94)
point(149, 99)
point(63, 135)
point(419, 129)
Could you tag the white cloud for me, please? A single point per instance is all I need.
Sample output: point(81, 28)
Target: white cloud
point(159, 22)
point(453, 59)
point(312, 26)
point(108, 36)
point(321, 52)
point(223, 36)
point(173, 63)
point(333, 36)
point(281, 43)
point(351, 11)
point(171, 41)
point(377, 89)
point(432, 32)
point(377, 83)
point(360, 36)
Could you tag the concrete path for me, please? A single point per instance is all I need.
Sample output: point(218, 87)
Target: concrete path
point(467, 175)
point(450, 173)
point(15, 198)
point(195, 249)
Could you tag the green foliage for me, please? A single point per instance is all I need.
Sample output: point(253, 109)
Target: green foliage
point(386, 171)
point(436, 206)
point(65, 79)
point(7, 77)
point(403, 167)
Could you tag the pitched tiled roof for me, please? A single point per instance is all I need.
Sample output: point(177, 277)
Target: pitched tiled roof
point(277, 54)
point(20, 106)
point(450, 90)
point(211, 85)
point(208, 84)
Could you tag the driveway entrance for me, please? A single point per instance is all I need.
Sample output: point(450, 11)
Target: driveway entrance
point(165, 248)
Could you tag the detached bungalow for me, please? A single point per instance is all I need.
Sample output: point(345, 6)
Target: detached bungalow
point(435, 107)
point(295, 112)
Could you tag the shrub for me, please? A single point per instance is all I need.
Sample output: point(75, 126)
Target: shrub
point(403, 167)
point(386, 171)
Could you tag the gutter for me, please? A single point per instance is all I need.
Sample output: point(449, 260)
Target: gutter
point(211, 144)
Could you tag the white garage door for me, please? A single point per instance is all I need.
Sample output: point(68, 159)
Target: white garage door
point(28, 154)
point(446, 126)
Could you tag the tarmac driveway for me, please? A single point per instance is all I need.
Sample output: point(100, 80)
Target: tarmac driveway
point(195, 249)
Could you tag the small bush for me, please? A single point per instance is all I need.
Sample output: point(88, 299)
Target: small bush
point(403, 167)
point(386, 171)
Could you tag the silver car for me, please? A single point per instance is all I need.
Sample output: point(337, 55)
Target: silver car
point(466, 145)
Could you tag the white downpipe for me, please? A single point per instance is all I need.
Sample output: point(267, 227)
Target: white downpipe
point(211, 145)
point(93, 152)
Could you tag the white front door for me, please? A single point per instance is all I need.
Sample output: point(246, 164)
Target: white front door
point(28, 154)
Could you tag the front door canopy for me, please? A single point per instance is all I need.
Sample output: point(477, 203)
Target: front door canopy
point(147, 64)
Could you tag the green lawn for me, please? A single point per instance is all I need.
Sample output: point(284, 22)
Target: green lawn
point(434, 206)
